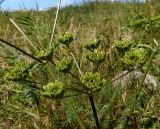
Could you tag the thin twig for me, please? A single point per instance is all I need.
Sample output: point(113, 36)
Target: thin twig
point(75, 78)
point(76, 62)
point(132, 69)
point(54, 25)
point(73, 95)
point(76, 90)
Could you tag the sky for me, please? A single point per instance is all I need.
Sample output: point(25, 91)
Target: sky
point(31, 4)
point(42, 4)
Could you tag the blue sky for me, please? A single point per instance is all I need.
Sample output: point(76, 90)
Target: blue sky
point(43, 4)
point(30, 4)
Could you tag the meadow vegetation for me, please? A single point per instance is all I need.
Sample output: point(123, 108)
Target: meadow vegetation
point(77, 82)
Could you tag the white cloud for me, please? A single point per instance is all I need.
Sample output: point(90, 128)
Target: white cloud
point(66, 2)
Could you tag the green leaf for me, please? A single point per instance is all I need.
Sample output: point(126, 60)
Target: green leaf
point(32, 114)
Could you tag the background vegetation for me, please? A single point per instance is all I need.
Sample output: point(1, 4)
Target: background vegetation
point(21, 105)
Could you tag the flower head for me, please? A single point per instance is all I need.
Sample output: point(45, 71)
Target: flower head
point(96, 57)
point(54, 90)
point(64, 64)
point(92, 81)
point(19, 72)
point(65, 39)
point(92, 44)
point(136, 56)
point(122, 45)
point(45, 54)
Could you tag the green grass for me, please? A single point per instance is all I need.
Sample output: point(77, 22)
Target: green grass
point(22, 105)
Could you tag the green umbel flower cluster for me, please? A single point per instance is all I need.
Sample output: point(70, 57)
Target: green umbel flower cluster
point(96, 57)
point(92, 81)
point(54, 90)
point(122, 45)
point(136, 56)
point(92, 44)
point(64, 64)
point(45, 54)
point(19, 72)
point(65, 39)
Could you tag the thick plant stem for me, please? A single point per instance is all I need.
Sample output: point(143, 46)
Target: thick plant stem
point(94, 111)
point(90, 96)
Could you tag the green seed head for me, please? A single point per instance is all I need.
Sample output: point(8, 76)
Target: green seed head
point(96, 57)
point(64, 64)
point(92, 81)
point(122, 45)
point(92, 44)
point(136, 56)
point(45, 54)
point(65, 39)
point(54, 90)
point(19, 72)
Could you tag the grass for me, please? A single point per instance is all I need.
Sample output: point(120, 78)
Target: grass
point(22, 103)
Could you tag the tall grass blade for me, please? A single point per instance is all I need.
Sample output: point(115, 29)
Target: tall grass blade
point(19, 29)
point(54, 25)
point(32, 114)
